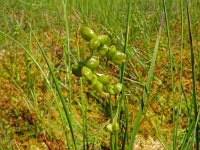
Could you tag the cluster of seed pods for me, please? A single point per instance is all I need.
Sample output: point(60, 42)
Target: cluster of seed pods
point(86, 68)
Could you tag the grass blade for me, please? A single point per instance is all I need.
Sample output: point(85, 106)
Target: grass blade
point(122, 70)
point(147, 86)
point(58, 90)
point(194, 96)
point(171, 55)
point(48, 82)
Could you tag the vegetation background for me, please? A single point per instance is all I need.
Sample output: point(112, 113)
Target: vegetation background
point(44, 106)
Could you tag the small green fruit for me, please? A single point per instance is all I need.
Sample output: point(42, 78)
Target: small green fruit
point(87, 33)
point(95, 77)
point(98, 86)
point(117, 88)
point(109, 128)
point(110, 90)
point(94, 43)
point(76, 68)
point(119, 57)
point(76, 71)
point(104, 79)
point(87, 73)
point(115, 126)
point(103, 39)
point(103, 50)
point(92, 63)
point(111, 52)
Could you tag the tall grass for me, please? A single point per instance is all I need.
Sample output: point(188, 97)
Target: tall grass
point(146, 88)
point(194, 93)
point(179, 109)
point(131, 25)
point(171, 58)
point(122, 70)
point(67, 52)
point(59, 92)
point(83, 102)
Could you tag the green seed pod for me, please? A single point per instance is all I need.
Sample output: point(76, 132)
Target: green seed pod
point(109, 128)
point(94, 43)
point(117, 88)
point(98, 86)
point(76, 68)
point(103, 39)
point(115, 126)
point(103, 50)
point(119, 57)
point(92, 63)
point(104, 79)
point(95, 77)
point(87, 73)
point(87, 33)
point(110, 90)
point(111, 52)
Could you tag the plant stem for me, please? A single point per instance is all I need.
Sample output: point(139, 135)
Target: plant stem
point(67, 59)
point(126, 127)
point(172, 72)
point(194, 96)
point(180, 72)
point(146, 89)
point(48, 82)
point(58, 90)
point(83, 104)
point(122, 70)
point(111, 120)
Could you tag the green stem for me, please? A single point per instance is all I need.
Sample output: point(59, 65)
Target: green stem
point(84, 106)
point(180, 72)
point(83, 112)
point(28, 67)
point(59, 91)
point(111, 120)
point(147, 86)
point(48, 82)
point(122, 70)
point(193, 77)
point(67, 59)
point(126, 127)
point(172, 73)
point(116, 140)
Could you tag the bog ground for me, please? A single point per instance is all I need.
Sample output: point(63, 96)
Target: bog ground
point(99, 74)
